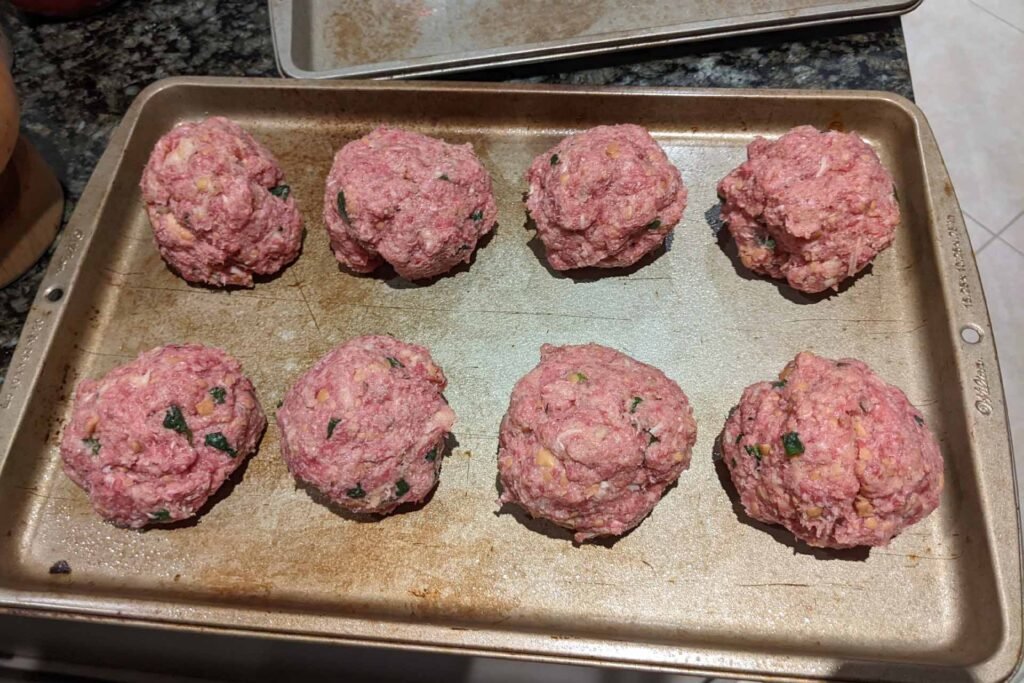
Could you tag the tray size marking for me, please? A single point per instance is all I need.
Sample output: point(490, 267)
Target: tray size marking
point(963, 285)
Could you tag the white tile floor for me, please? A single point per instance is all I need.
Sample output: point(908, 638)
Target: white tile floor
point(967, 61)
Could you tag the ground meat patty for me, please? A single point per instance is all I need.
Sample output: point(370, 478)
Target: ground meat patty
point(814, 208)
point(414, 201)
point(833, 453)
point(604, 197)
point(592, 438)
point(219, 207)
point(366, 425)
point(152, 440)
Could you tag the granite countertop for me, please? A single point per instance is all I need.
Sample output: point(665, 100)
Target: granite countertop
point(76, 79)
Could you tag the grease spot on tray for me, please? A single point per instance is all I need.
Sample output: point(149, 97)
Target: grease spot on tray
point(498, 23)
point(375, 30)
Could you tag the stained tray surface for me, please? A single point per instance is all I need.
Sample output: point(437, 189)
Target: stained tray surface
point(335, 38)
point(697, 586)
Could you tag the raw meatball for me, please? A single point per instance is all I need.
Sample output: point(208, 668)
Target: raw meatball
point(833, 453)
point(414, 201)
point(218, 206)
point(366, 425)
point(592, 438)
point(814, 208)
point(152, 440)
point(604, 197)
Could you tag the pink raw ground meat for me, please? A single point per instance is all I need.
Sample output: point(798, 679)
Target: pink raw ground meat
point(833, 453)
point(592, 438)
point(604, 197)
point(414, 201)
point(814, 208)
point(152, 440)
point(218, 206)
point(366, 425)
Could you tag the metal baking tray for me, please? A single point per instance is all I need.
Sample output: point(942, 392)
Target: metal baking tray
point(387, 38)
point(697, 587)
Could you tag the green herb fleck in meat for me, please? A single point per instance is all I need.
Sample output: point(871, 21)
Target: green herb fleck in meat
point(767, 242)
point(636, 402)
point(779, 384)
point(753, 451)
point(431, 455)
point(401, 488)
point(394, 362)
point(281, 191)
point(792, 443)
point(220, 442)
point(577, 377)
point(652, 439)
point(93, 443)
point(218, 394)
point(160, 516)
point(554, 159)
point(917, 418)
point(357, 492)
point(739, 437)
point(654, 225)
point(477, 215)
point(444, 176)
point(331, 425)
point(175, 421)
point(341, 207)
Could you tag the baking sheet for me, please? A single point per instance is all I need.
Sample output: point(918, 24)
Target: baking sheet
point(382, 38)
point(696, 587)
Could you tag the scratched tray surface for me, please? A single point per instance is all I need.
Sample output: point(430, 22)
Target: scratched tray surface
point(337, 38)
point(695, 587)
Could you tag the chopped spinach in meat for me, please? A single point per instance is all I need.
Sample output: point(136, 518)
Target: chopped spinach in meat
point(220, 442)
point(401, 488)
point(577, 377)
point(739, 437)
point(554, 159)
point(342, 211)
point(160, 516)
point(654, 225)
point(218, 394)
point(444, 176)
point(779, 384)
point(792, 443)
point(636, 402)
point(394, 362)
point(753, 451)
point(357, 492)
point(175, 421)
point(651, 438)
point(431, 455)
point(281, 191)
point(331, 424)
point(477, 215)
point(767, 242)
point(94, 444)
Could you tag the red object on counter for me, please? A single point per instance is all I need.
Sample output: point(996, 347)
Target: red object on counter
point(61, 8)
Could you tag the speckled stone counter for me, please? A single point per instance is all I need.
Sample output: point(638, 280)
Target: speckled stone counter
point(76, 79)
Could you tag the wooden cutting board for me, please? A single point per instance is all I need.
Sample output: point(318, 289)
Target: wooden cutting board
point(29, 223)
